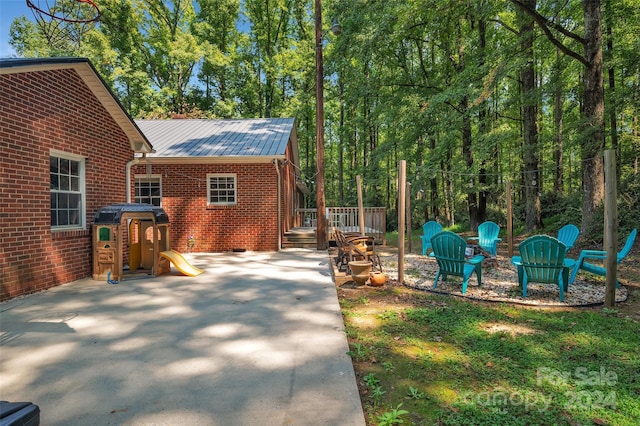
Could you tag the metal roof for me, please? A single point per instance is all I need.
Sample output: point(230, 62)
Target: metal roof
point(232, 138)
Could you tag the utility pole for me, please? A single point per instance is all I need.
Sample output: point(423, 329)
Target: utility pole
point(321, 228)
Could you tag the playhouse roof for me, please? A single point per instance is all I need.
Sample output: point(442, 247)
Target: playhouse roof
point(245, 140)
point(89, 75)
point(113, 214)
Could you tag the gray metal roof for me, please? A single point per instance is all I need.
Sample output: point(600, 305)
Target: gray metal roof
point(201, 138)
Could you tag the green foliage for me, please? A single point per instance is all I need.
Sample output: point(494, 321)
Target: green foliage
point(371, 381)
point(628, 200)
point(358, 351)
point(392, 417)
point(558, 210)
point(387, 315)
point(26, 40)
point(377, 392)
point(387, 366)
point(415, 393)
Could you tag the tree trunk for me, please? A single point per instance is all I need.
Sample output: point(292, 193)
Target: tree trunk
point(530, 118)
point(558, 115)
point(612, 97)
point(593, 141)
point(472, 198)
point(447, 189)
point(483, 128)
point(433, 200)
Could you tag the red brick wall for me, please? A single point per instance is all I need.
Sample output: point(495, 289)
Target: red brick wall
point(40, 111)
point(251, 224)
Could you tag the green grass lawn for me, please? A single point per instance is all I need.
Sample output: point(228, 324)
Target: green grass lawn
point(426, 359)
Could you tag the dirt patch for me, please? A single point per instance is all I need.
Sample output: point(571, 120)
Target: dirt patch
point(511, 329)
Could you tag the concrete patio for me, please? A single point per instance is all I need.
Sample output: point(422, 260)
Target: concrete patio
point(257, 339)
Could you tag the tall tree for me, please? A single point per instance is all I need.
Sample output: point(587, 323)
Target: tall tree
point(592, 138)
point(483, 120)
point(270, 30)
point(117, 54)
point(532, 183)
point(215, 28)
point(170, 49)
point(558, 123)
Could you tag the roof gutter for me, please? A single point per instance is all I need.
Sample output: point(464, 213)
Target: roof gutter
point(230, 159)
point(127, 174)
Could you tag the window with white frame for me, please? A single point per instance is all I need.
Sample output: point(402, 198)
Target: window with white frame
point(222, 189)
point(67, 188)
point(148, 189)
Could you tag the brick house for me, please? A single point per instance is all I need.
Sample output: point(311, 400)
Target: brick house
point(65, 142)
point(68, 148)
point(229, 184)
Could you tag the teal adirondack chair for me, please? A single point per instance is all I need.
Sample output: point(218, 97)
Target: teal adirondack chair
point(542, 260)
point(568, 235)
point(488, 237)
point(449, 249)
point(429, 229)
point(601, 255)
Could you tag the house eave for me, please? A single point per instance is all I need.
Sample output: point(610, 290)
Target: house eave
point(87, 72)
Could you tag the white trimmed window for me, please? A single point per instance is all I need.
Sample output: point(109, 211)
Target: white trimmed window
point(148, 189)
point(222, 189)
point(67, 186)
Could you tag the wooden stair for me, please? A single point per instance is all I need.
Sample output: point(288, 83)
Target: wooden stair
point(299, 238)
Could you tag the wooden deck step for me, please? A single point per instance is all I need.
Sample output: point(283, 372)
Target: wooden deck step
point(299, 238)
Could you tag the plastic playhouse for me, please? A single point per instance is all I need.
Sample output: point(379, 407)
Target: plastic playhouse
point(128, 240)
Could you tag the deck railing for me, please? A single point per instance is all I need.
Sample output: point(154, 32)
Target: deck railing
point(347, 220)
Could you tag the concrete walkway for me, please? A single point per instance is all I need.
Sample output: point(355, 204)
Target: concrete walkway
point(257, 339)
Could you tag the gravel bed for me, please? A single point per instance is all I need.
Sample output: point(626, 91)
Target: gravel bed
point(499, 283)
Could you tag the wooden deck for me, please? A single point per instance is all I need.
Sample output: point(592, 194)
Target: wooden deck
point(305, 236)
point(347, 219)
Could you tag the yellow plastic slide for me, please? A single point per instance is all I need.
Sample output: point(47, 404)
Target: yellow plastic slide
point(181, 263)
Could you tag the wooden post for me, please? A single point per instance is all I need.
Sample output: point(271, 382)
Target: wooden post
point(408, 208)
point(401, 212)
point(610, 226)
point(509, 220)
point(360, 206)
